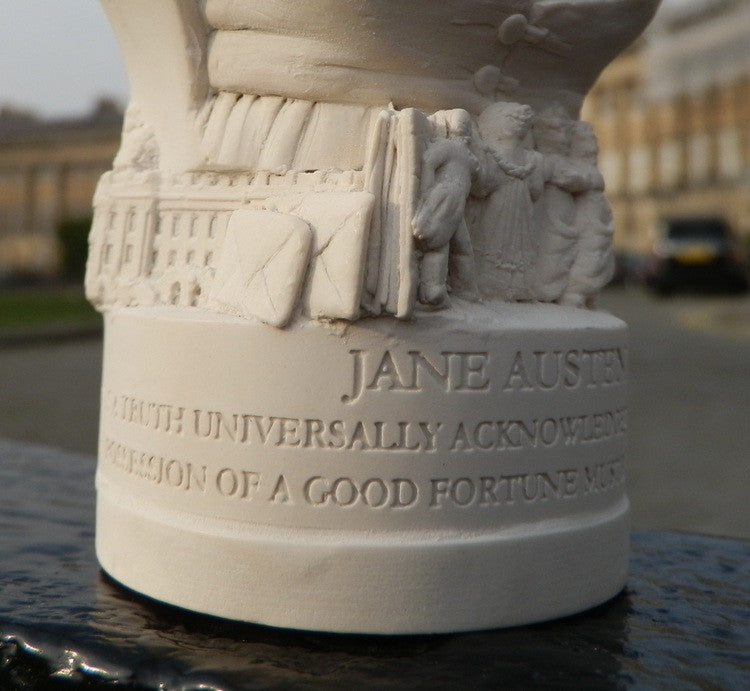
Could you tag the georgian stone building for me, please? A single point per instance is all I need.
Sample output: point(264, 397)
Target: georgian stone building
point(48, 173)
point(673, 120)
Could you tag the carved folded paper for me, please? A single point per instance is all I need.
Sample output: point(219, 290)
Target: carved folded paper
point(340, 222)
point(262, 266)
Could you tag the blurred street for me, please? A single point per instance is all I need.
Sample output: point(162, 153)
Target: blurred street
point(49, 394)
point(689, 400)
point(689, 406)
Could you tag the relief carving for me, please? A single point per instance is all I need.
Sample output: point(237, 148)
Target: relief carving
point(410, 182)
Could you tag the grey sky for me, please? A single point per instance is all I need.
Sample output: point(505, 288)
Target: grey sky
point(57, 56)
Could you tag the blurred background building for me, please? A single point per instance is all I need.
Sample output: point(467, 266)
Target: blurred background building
point(672, 116)
point(48, 173)
point(673, 120)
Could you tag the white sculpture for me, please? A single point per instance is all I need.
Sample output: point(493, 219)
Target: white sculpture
point(555, 214)
point(506, 231)
point(322, 254)
point(594, 263)
point(439, 222)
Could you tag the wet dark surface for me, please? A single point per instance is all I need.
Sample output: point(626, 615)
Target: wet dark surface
point(683, 622)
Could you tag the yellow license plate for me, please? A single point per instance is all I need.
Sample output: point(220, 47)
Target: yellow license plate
point(696, 255)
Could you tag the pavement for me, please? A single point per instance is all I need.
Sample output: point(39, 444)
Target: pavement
point(717, 316)
point(689, 391)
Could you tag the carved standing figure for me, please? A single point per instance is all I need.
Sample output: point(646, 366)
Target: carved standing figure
point(594, 262)
point(555, 211)
point(439, 225)
point(504, 231)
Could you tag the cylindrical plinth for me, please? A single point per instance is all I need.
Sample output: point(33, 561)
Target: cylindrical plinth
point(463, 471)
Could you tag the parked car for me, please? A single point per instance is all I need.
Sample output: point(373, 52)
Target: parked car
point(696, 253)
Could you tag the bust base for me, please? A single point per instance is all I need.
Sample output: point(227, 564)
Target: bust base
point(305, 479)
point(350, 584)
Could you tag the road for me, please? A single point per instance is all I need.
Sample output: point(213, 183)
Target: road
point(689, 419)
point(49, 394)
point(689, 402)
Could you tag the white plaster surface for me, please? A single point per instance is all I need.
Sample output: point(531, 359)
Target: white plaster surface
point(262, 265)
point(375, 477)
point(340, 221)
point(348, 255)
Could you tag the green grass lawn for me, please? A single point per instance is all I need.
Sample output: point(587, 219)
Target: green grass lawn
point(30, 307)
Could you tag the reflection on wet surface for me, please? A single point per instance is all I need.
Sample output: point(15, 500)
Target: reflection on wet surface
point(684, 619)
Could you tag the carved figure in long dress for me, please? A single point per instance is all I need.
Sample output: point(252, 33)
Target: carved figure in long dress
point(439, 224)
point(503, 234)
point(556, 209)
point(594, 262)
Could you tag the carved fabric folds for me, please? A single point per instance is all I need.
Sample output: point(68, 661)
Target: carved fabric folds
point(504, 238)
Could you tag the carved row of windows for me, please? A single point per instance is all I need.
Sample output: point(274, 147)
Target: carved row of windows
point(178, 239)
point(189, 226)
point(171, 258)
point(255, 180)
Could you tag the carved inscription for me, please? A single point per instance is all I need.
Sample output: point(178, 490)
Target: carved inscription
point(160, 417)
point(448, 373)
point(374, 493)
point(313, 433)
point(526, 488)
point(158, 470)
point(287, 433)
point(514, 435)
point(451, 371)
point(320, 492)
point(570, 369)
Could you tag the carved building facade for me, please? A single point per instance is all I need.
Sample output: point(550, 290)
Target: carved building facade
point(673, 120)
